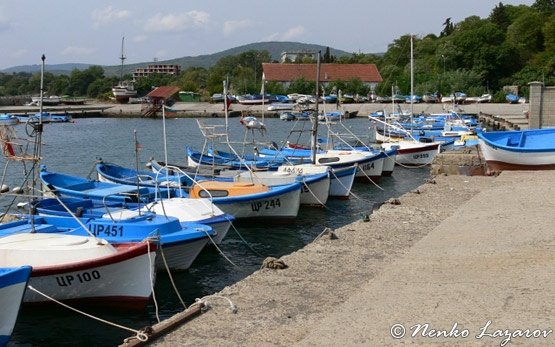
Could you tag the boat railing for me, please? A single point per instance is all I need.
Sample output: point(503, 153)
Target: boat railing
point(180, 173)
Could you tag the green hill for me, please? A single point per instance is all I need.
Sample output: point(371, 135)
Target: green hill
point(274, 48)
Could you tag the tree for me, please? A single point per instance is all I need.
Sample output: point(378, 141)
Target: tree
point(500, 17)
point(448, 28)
point(327, 56)
point(544, 7)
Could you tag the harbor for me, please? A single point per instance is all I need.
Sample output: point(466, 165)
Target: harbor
point(460, 253)
point(493, 115)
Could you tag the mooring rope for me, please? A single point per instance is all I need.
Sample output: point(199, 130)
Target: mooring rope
point(151, 268)
point(138, 334)
point(243, 239)
point(166, 266)
point(220, 250)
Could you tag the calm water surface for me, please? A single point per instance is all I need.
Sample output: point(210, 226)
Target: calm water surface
point(73, 148)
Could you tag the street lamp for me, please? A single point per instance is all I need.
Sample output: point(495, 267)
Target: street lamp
point(442, 76)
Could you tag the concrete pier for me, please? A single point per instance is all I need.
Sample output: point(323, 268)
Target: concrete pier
point(470, 257)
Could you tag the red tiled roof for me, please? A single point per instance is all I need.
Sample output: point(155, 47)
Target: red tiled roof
point(328, 72)
point(163, 92)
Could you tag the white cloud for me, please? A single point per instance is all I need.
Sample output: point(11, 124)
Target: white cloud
point(108, 14)
point(162, 53)
point(4, 22)
point(233, 25)
point(77, 51)
point(293, 33)
point(290, 34)
point(271, 37)
point(177, 22)
point(17, 53)
point(139, 38)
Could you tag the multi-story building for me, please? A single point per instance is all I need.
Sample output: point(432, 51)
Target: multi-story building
point(168, 69)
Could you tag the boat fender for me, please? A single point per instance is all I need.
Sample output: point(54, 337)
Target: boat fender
point(79, 211)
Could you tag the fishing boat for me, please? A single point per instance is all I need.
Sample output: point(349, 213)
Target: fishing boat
point(248, 200)
point(315, 180)
point(369, 164)
point(78, 269)
point(51, 100)
point(162, 201)
point(124, 89)
point(8, 119)
point(333, 116)
point(73, 186)
point(47, 118)
point(532, 149)
point(512, 98)
point(179, 243)
point(253, 99)
point(204, 160)
point(287, 115)
point(409, 150)
point(13, 281)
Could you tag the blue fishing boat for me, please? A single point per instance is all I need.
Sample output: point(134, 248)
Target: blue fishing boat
point(512, 98)
point(221, 162)
point(109, 172)
point(8, 119)
point(47, 118)
point(13, 282)
point(179, 243)
point(73, 186)
point(532, 149)
point(165, 201)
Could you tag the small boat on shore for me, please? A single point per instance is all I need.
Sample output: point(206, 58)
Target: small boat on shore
point(532, 149)
point(13, 281)
point(46, 118)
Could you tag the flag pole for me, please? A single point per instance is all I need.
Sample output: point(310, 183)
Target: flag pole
point(137, 168)
point(165, 143)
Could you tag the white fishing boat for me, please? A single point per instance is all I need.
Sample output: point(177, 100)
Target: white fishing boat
point(253, 201)
point(79, 269)
point(315, 180)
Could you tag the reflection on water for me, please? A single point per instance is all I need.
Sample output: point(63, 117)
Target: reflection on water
point(73, 148)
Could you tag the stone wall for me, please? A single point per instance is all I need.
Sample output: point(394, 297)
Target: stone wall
point(542, 106)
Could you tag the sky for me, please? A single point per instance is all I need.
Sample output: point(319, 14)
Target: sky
point(91, 31)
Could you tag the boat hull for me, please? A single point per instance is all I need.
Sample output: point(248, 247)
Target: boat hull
point(123, 280)
point(371, 169)
point(283, 206)
point(195, 210)
point(341, 182)
point(414, 153)
point(179, 256)
point(499, 159)
point(389, 163)
point(12, 287)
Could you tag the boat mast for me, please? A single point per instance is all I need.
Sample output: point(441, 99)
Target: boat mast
point(314, 139)
point(411, 84)
point(122, 58)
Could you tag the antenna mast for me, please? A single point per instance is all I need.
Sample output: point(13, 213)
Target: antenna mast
point(122, 58)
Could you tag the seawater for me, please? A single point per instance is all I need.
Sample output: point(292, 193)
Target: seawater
point(73, 148)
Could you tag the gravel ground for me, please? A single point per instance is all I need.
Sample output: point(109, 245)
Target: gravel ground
point(284, 307)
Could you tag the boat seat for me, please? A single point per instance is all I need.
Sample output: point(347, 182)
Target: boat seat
point(113, 190)
point(25, 228)
point(121, 214)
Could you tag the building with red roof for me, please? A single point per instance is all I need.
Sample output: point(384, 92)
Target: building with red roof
point(286, 73)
